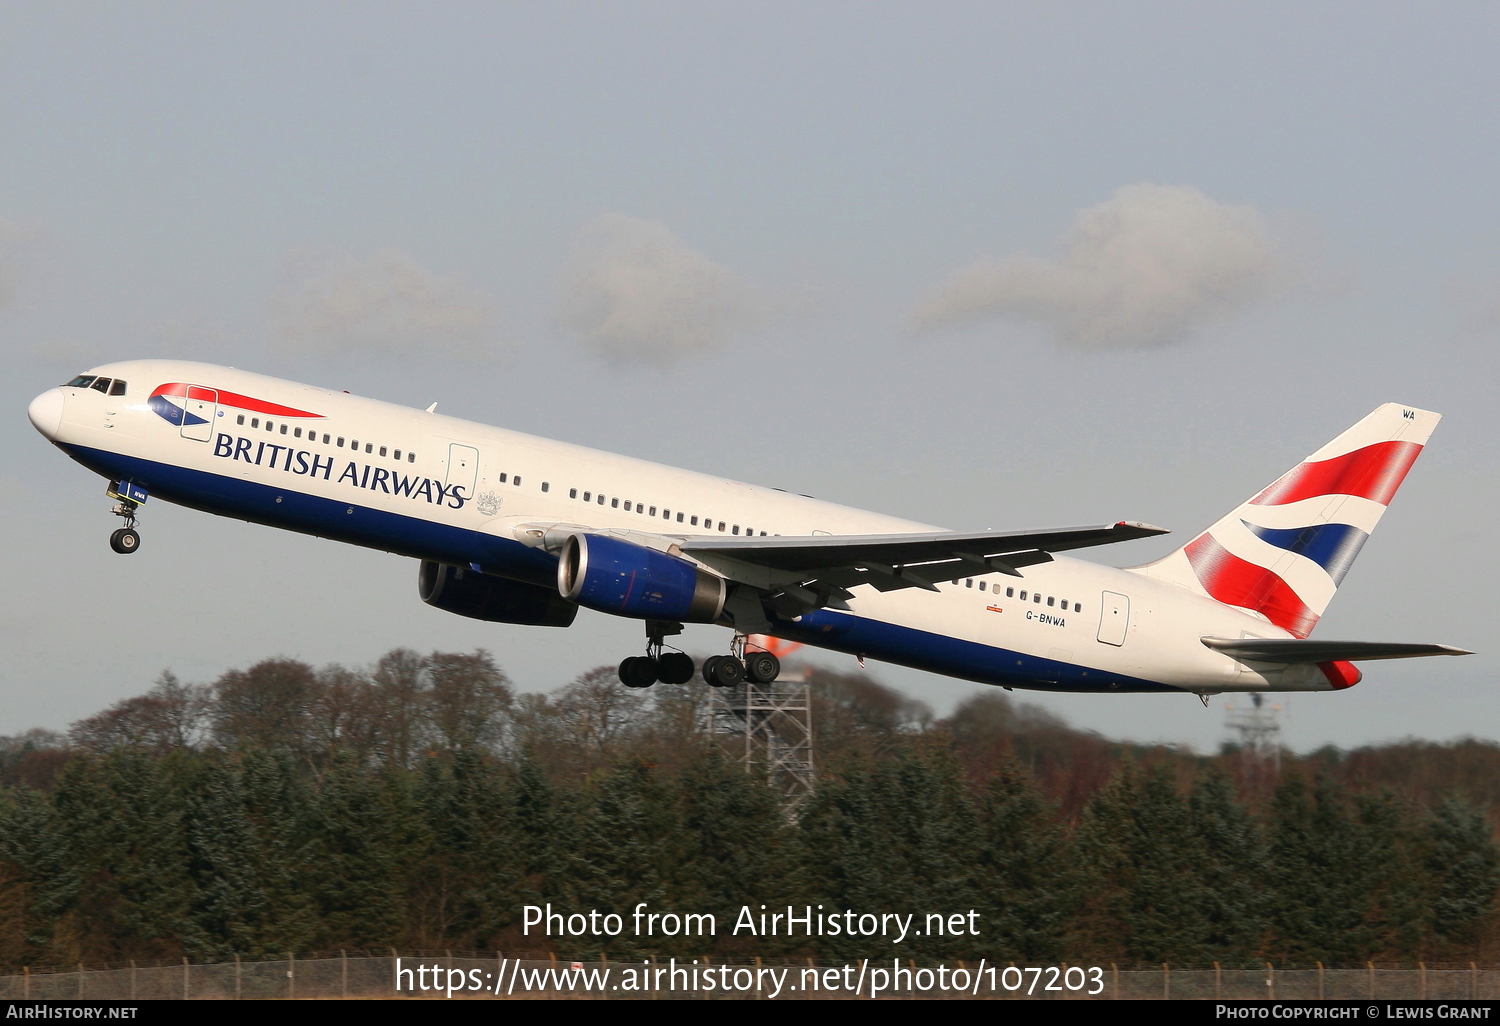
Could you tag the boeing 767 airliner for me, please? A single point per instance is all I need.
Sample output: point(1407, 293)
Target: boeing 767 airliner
point(518, 529)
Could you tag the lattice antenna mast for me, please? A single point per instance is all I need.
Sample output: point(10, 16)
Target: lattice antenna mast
point(1259, 728)
point(771, 727)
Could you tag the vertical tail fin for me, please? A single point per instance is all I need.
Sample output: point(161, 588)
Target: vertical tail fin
point(1283, 552)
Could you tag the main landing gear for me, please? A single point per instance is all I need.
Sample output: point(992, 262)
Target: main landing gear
point(656, 665)
point(725, 671)
point(719, 671)
point(127, 539)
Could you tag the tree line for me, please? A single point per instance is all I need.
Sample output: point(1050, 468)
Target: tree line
point(420, 802)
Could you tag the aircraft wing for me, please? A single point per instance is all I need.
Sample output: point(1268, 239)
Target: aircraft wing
point(830, 564)
point(1293, 650)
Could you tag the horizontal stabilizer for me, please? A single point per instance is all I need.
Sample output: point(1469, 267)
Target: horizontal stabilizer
point(1292, 650)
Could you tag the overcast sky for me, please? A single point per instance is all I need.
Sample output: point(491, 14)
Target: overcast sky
point(981, 265)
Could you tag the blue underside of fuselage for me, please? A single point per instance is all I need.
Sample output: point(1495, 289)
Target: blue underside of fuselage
point(424, 539)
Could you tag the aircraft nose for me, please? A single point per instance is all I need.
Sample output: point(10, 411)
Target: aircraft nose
point(46, 412)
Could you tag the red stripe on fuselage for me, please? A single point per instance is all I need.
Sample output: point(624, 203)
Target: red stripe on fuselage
point(1374, 472)
point(239, 402)
point(1236, 582)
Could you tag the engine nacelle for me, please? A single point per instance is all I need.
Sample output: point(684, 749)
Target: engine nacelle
point(619, 577)
point(455, 589)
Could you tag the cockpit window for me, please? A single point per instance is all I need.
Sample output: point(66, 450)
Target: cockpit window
point(82, 381)
point(101, 385)
point(118, 388)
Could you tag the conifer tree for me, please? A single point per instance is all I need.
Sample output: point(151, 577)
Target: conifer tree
point(1463, 865)
point(249, 854)
point(1029, 884)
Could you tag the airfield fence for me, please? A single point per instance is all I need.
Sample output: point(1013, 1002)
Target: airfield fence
point(372, 975)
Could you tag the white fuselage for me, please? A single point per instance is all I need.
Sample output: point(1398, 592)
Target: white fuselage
point(459, 491)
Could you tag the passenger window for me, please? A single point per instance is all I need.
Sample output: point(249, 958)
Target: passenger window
point(382, 450)
point(396, 454)
point(601, 498)
point(1023, 596)
point(1037, 597)
point(627, 505)
point(118, 388)
point(354, 444)
point(680, 516)
point(736, 528)
point(240, 419)
point(695, 521)
point(615, 504)
point(283, 429)
point(1049, 600)
point(982, 586)
point(270, 426)
point(101, 385)
point(1077, 607)
point(341, 441)
point(517, 481)
point(546, 486)
point(573, 494)
point(411, 457)
point(504, 477)
point(296, 432)
point(721, 525)
point(666, 514)
point(653, 511)
point(588, 496)
point(255, 423)
point(969, 583)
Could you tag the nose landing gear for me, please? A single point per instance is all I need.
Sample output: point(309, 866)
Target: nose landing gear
point(126, 539)
point(130, 496)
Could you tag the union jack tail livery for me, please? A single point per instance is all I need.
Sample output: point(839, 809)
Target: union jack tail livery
point(1283, 553)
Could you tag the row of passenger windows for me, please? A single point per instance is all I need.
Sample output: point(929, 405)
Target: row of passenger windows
point(650, 511)
point(312, 436)
point(108, 386)
point(1035, 597)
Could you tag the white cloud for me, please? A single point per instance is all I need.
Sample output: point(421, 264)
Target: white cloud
point(1146, 267)
point(386, 303)
point(634, 290)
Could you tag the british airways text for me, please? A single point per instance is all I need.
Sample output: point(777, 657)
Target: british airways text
point(360, 475)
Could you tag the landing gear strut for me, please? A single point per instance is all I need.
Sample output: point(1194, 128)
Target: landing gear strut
point(126, 539)
point(655, 665)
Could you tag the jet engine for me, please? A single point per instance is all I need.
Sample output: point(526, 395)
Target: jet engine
point(620, 577)
point(455, 589)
